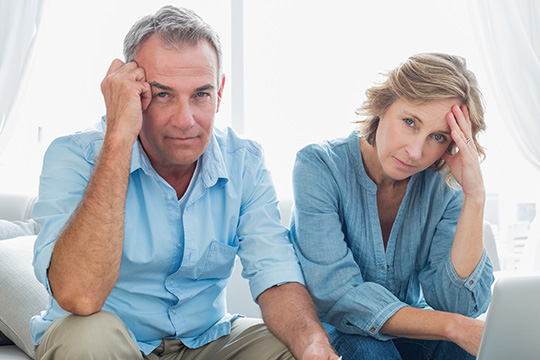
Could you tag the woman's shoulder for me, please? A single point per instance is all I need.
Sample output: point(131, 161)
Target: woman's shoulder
point(339, 149)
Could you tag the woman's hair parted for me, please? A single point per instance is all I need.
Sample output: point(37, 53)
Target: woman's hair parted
point(423, 78)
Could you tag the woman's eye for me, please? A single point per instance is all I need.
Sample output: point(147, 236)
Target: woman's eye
point(439, 137)
point(409, 122)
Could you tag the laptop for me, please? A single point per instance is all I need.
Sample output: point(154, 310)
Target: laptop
point(512, 328)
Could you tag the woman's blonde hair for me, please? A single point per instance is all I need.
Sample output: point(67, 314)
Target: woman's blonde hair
point(423, 78)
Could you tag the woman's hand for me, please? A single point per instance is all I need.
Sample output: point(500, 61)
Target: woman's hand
point(468, 244)
point(468, 333)
point(465, 164)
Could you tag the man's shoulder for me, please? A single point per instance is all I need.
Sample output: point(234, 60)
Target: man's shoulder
point(230, 143)
point(88, 142)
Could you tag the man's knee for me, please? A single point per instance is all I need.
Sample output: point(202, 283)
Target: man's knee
point(99, 336)
point(258, 339)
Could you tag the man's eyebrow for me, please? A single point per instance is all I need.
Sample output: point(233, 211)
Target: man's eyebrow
point(161, 86)
point(205, 87)
point(168, 88)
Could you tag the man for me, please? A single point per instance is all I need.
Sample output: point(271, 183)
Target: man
point(143, 217)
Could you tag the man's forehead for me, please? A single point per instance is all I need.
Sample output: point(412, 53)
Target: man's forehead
point(196, 62)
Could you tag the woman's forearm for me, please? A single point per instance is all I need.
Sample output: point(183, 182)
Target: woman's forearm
point(425, 324)
point(468, 245)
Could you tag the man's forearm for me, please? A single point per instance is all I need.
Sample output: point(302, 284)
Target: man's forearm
point(86, 257)
point(290, 314)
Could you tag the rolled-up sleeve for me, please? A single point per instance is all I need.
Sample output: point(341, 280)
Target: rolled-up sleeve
point(441, 286)
point(332, 274)
point(63, 180)
point(265, 250)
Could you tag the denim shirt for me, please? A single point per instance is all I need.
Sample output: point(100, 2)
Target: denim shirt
point(357, 285)
point(177, 256)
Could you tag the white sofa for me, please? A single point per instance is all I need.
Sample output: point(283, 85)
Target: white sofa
point(22, 296)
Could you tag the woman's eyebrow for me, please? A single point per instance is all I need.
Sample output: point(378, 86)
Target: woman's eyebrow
point(413, 116)
point(446, 131)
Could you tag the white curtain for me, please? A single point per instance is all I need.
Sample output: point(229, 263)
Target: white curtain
point(19, 24)
point(509, 40)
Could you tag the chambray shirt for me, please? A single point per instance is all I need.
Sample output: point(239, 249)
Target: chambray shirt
point(177, 255)
point(357, 285)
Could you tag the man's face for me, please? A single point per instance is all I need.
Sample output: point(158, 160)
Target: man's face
point(177, 125)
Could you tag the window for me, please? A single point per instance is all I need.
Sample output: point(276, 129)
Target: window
point(306, 65)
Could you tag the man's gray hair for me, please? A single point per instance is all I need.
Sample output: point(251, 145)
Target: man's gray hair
point(175, 27)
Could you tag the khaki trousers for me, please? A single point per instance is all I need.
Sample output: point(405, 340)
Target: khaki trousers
point(103, 336)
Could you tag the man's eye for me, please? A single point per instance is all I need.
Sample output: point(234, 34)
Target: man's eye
point(409, 122)
point(202, 94)
point(161, 94)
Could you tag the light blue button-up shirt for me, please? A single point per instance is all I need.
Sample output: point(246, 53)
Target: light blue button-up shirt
point(357, 285)
point(178, 255)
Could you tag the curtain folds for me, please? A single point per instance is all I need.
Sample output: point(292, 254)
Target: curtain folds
point(509, 40)
point(19, 25)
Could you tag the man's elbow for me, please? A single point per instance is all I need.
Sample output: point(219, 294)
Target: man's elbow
point(77, 303)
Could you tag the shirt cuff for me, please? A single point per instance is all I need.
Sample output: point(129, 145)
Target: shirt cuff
point(472, 280)
point(272, 277)
point(373, 326)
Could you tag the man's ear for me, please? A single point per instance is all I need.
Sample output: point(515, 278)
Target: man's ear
point(220, 92)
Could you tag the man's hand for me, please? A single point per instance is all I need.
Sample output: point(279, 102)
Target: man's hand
point(127, 95)
point(290, 314)
point(319, 351)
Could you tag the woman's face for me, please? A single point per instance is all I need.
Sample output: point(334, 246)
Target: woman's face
point(411, 137)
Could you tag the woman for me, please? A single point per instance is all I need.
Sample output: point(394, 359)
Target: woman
point(388, 222)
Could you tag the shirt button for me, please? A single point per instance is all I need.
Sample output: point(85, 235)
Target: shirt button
point(171, 282)
point(372, 329)
point(179, 245)
point(471, 282)
point(174, 311)
point(169, 197)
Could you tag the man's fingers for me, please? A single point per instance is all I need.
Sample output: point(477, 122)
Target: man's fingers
point(115, 66)
point(146, 95)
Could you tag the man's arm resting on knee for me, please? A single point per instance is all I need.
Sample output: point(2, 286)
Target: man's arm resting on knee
point(86, 258)
point(290, 314)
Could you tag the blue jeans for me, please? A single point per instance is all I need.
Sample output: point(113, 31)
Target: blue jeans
point(358, 347)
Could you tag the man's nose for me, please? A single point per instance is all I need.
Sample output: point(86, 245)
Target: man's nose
point(183, 116)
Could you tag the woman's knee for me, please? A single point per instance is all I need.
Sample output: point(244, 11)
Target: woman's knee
point(352, 346)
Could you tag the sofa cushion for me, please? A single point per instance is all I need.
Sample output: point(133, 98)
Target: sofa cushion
point(22, 296)
point(11, 229)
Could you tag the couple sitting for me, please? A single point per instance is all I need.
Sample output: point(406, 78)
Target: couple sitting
point(142, 219)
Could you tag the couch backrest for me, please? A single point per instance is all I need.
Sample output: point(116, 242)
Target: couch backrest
point(16, 207)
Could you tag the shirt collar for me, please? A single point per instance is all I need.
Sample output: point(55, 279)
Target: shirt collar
point(213, 169)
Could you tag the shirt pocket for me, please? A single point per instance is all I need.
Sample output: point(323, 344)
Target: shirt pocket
point(218, 263)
